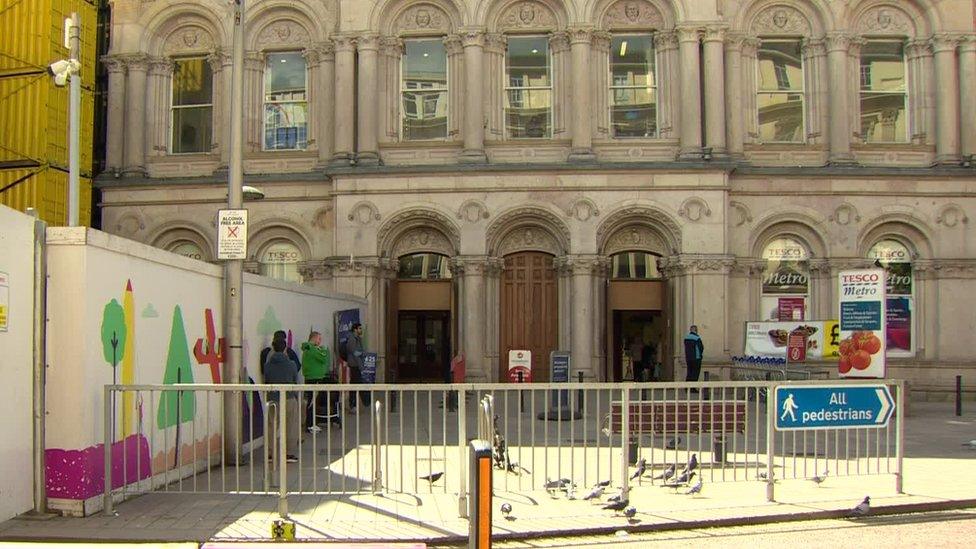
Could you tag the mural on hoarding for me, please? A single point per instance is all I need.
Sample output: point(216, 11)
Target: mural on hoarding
point(212, 350)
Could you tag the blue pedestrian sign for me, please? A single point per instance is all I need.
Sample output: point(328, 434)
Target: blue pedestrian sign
point(832, 406)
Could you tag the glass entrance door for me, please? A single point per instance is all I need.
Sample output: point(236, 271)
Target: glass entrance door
point(424, 346)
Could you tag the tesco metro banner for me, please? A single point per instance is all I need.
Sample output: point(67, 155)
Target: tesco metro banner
point(862, 323)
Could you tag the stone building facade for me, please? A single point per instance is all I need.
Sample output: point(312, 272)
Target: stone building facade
point(585, 175)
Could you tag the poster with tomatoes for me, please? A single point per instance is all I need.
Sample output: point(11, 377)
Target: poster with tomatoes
point(862, 323)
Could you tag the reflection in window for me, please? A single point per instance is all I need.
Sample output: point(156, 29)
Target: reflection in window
point(424, 266)
point(780, 91)
point(188, 249)
point(634, 266)
point(633, 87)
point(280, 260)
point(192, 118)
point(883, 92)
point(285, 102)
point(424, 90)
point(528, 87)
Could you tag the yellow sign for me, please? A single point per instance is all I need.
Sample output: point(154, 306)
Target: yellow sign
point(283, 530)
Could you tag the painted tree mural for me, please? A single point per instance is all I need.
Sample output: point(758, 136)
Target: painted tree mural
point(177, 407)
point(113, 335)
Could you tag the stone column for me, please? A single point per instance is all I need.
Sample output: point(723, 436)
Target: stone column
point(322, 110)
point(600, 270)
point(691, 134)
point(840, 129)
point(749, 105)
point(669, 90)
point(456, 77)
point(135, 115)
point(367, 151)
point(160, 84)
point(582, 148)
point(562, 63)
point(816, 89)
point(947, 99)
point(714, 71)
point(116, 112)
point(967, 94)
point(598, 68)
point(733, 94)
point(471, 314)
point(345, 98)
point(494, 59)
point(388, 87)
point(564, 274)
point(220, 67)
point(473, 41)
point(584, 315)
point(255, 63)
point(492, 307)
point(918, 54)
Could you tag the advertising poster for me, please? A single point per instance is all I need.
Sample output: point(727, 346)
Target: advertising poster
point(770, 339)
point(343, 326)
point(899, 328)
point(790, 308)
point(519, 361)
point(862, 323)
point(369, 368)
point(786, 268)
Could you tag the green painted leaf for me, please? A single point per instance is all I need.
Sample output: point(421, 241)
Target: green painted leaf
point(113, 332)
point(177, 406)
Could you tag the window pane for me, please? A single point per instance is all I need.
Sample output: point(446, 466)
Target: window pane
point(780, 66)
point(424, 266)
point(284, 78)
point(188, 249)
point(634, 265)
point(883, 117)
point(527, 113)
point(192, 82)
point(780, 116)
point(528, 61)
point(191, 129)
point(280, 260)
point(285, 125)
point(632, 61)
point(634, 112)
point(787, 270)
point(882, 67)
point(424, 64)
point(424, 115)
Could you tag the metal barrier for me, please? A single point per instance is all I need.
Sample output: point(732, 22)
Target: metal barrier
point(420, 446)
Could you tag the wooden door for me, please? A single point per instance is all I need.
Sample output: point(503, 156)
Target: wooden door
point(529, 311)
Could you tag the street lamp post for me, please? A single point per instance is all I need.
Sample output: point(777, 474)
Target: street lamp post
point(234, 268)
point(74, 121)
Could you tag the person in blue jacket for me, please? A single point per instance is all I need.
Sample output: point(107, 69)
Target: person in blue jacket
point(694, 349)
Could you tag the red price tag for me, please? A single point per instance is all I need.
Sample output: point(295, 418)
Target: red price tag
point(796, 347)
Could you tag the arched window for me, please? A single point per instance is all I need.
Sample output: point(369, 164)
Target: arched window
point(424, 89)
point(424, 266)
point(634, 266)
point(189, 249)
point(786, 282)
point(280, 260)
point(896, 259)
point(285, 102)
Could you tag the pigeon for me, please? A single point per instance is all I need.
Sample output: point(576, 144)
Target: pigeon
point(692, 464)
point(616, 498)
point(673, 443)
point(696, 489)
point(630, 512)
point(617, 505)
point(666, 474)
point(862, 508)
point(559, 484)
point(680, 481)
point(507, 510)
point(641, 469)
point(571, 491)
point(514, 467)
point(762, 476)
point(819, 479)
point(596, 492)
point(433, 477)
point(603, 483)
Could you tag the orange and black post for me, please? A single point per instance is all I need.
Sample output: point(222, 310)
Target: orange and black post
point(479, 495)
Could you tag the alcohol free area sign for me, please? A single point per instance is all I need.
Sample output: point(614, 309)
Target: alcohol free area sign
point(231, 234)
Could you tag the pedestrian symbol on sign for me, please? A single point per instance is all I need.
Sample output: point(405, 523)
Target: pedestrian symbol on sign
point(789, 408)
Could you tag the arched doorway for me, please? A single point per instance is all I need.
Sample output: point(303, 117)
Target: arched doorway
point(424, 302)
point(637, 323)
point(529, 316)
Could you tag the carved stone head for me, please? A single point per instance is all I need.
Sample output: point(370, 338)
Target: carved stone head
point(632, 11)
point(884, 19)
point(526, 13)
point(780, 18)
point(423, 18)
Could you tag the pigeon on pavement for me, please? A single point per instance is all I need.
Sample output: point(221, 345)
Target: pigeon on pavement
point(596, 492)
point(680, 481)
point(558, 484)
point(666, 474)
point(616, 497)
point(617, 505)
point(697, 488)
point(641, 469)
point(692, 464)
point(603, 483)
point(507, 510)
point(630, 512)
point(820, 478)
point(673, 443)
point(862, 508)
point(433, 477)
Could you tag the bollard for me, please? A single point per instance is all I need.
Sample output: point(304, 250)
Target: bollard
point(718, 449)
point(479, 495)
point(579, 396)
point(377, 447)
point(958, 396)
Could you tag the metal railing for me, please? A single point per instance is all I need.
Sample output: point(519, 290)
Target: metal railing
point(413, 438)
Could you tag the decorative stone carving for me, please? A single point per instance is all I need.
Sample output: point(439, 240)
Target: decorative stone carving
point(529, 215)
point(321, 217)
point(845, 214)
point(778, 20)
point(742, 213)
point(472, 211)
point(282, 33)
point(884, 20)
point(130, 224)
point(188, 39)
point(580, 35)
point(364, 213)
point(113, 63)
point(472, 37)
point(527, 15)
point(601, 41)
point(422, 239)
point(694, 209)
point(635, 237)
point(951, 215)
point(528, 238)
point(326, 50)
point(344, 42)
point(316, 270)
point(495, 42)
point(393, 47)
point(583, 209)
point(423, 18)
point(401, 223)
point(630, 14)
point(453, 45)
point(559, 41)
point(643, 215)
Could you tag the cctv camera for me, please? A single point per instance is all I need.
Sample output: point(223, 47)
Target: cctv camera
point(61, 70)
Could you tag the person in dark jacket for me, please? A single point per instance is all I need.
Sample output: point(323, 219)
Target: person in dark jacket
point(694, 349)
point(280, 370)
point(280, 335)
point(354, 358)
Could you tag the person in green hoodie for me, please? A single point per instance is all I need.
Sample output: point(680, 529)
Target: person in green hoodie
point(316, 365)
